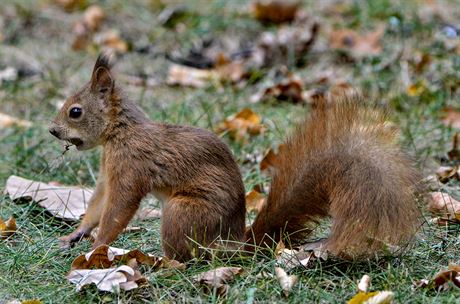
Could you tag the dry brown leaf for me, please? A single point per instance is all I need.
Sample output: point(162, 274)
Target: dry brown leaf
point(218, 278)
point(93, 17)
point(246, 122)
point(276, 11)
point(65, 202)
point(270, 160)
point(286, 281)
point(290, 89)
point(112, 40)
point(7, 121)
point(111, 279)
point(254, 201)
point(224, 71)
point(444, 204)
point(376, 297)
point(287, 46)
point(85, 28)
point(451, 117)
point(291, 259)
point(105, 256)
point(62, 201)
point(355, 44)
point(447, 173)
point(421, 62)
point(187, 76)
point(442, 279)
point(7, 228)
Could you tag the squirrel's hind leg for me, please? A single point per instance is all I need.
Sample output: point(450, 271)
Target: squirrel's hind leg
point(190, 227)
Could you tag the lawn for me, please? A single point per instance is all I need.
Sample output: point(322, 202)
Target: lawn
point(412, 70)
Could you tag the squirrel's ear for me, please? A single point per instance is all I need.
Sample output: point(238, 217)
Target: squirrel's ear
point(102, 80)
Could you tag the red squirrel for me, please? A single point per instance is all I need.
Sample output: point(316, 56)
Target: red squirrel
point(341, 162)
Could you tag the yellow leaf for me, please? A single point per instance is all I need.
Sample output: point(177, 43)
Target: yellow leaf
point(376, 297)
point(415, 89)
point(7, 228)
point(245, 122)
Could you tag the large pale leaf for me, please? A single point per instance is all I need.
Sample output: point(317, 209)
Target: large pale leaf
point(62, 201)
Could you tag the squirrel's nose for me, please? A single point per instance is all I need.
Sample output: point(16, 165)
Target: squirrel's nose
point(54, 131)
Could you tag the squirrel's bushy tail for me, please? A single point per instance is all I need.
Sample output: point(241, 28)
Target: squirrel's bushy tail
point(344, 162)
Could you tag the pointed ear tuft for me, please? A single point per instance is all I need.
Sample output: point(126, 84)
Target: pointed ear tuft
point(102, 80)
point(104, 60)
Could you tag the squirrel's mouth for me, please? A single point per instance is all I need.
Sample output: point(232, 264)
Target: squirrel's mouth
point(75, 141)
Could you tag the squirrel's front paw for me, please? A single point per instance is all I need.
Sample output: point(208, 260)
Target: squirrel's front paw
point(66, 242)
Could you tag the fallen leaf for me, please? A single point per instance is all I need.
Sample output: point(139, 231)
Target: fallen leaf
point(111, 279)
point(451, 117)
point(287, 46)
point(376, 297)
point(254, 201)
point(85, 28)
point(7, 228)
point(246, 122)
point(447, 173)
point(364, 283)
point(93, 17)
point(286, 281)
point(217, 279)
point(270, 160)
point(105, 256)
point(421, 62)
point(441, 280)
point(444, 204)
point(416, 89)
point(289, 89)
point(231, 71)
point(62, 201)
point(111, 39)
point(318, 248)
point(8, 74)
point(290, 259)
point(275, 11)
point(7, 121)
point(187, 76)
point(355, 44)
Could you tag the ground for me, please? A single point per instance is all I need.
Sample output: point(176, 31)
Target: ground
point(36, 41)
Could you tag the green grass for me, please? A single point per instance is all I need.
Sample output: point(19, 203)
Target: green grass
point(32, 266)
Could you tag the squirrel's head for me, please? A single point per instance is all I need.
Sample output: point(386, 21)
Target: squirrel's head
point(84, 116)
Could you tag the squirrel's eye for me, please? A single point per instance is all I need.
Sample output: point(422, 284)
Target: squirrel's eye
point(75, 112)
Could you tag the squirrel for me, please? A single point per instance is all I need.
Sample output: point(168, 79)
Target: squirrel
point(342, 162)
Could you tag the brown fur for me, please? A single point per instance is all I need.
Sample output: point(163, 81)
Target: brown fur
point(341, 162)
point(189, 168)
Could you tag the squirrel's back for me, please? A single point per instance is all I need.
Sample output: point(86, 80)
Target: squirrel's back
point(343, 161)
